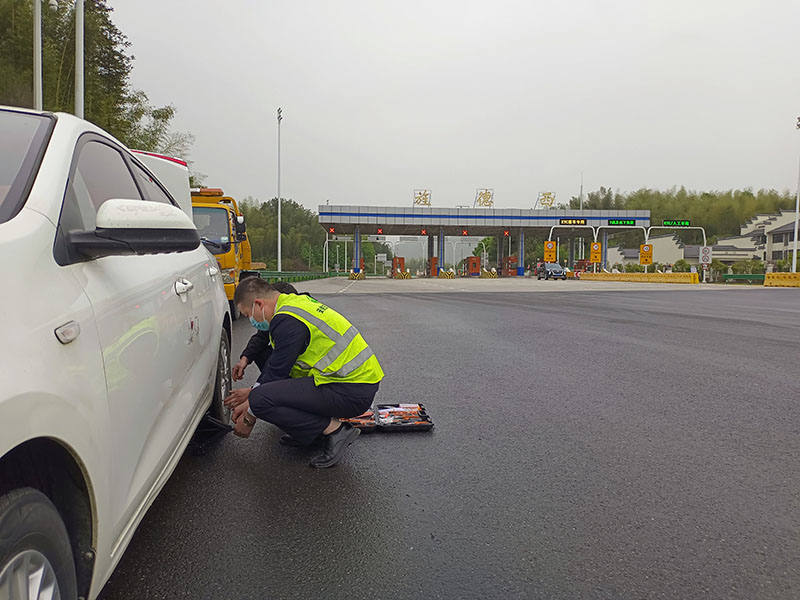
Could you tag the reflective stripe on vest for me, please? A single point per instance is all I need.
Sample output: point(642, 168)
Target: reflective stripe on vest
point(338, 345)
point(341, 342)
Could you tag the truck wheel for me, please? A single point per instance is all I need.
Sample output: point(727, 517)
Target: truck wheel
point(235, 314)
point(35, 553)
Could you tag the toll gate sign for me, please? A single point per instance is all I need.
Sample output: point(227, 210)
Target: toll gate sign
point(596, 252)
point(549, 251)
point(646, 254)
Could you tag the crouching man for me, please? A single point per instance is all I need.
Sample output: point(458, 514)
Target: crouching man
point(320, 369)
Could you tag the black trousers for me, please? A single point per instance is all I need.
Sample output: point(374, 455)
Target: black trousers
point(304, 410)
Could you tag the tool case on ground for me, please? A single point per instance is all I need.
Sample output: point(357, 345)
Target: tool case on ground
point(393, 417)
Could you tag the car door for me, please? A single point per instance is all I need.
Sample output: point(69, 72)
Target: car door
point(146, 325)
point(203, 273)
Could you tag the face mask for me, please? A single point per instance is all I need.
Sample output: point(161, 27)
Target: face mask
point(260, 325)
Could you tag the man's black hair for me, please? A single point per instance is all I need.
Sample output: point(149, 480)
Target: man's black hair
point(251, 288)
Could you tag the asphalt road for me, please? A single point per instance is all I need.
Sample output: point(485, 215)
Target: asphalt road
point(591, 441)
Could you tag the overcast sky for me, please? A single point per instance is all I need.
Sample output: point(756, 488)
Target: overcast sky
point(380, 98)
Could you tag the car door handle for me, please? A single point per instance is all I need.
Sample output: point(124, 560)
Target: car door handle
point(183, 286)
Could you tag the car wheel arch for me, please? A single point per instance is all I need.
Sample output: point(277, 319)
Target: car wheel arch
point(53, 468)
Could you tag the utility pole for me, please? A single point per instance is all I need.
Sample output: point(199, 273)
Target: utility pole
point(280, 118)
point(581, 195)
point(37, 54)
point(796, 214)
point(78, 58)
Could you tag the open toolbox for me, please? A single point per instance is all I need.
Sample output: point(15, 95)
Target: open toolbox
point(393, 417)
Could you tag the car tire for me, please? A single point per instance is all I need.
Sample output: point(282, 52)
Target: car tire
point(35, 550)
point(235, 314)
point(222, 381)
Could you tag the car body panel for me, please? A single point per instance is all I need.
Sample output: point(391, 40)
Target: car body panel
point(126, 395)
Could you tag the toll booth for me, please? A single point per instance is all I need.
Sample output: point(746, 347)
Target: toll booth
point(510, 266)
point(398, 262)
point(434, 267)
point(473, 266)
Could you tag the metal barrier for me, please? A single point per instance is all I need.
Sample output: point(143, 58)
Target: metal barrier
point(295, 276)
point(643, 277)
point(782, 280)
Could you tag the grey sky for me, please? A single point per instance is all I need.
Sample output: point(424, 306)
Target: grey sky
point(380, 98)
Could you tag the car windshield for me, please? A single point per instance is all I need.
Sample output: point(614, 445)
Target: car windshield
point(22, 137)
point(552, 266)
point(214, 226)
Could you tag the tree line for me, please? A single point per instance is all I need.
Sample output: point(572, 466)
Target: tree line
point(110, 101)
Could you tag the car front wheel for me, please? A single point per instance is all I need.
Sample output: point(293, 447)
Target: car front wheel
point(35, 554)
point(222, 382)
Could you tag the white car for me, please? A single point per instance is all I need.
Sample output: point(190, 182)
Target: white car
point(115, 344)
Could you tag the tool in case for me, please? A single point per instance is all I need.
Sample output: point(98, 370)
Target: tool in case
point(393, 417)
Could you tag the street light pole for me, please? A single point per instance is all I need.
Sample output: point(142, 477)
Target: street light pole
point(485, 254)
point(796, 214)
point(37, 54)
point(78, 58)
point(280, 118)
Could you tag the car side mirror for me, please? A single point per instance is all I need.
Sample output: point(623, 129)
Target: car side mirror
point(126, 227)
point(241, 229)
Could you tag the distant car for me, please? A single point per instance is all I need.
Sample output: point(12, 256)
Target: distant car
point(116, 343)
point(550, 271)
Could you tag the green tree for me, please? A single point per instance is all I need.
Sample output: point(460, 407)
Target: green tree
point(109, 100)
point(303, 238)
point(681, 266)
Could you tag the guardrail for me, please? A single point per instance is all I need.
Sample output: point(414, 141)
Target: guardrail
point(643, 277)
point(782, 280)
point(295, 276)
point(748, 277)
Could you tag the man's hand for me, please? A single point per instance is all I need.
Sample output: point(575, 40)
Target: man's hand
point(236, 397)
point(244, 421)
point(238, 369)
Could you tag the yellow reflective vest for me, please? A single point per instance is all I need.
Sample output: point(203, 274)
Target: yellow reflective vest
point(337, 352)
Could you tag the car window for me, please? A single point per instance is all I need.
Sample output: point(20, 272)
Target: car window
point(22, 140)
point(100, 174)
point(214, 225)
point(150, 187)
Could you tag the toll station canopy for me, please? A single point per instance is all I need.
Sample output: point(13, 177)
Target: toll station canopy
point(430, 221)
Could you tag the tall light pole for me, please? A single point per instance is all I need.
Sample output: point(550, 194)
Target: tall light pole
point(280, 118)
point(37, 51)
point(37, 54)
point(796, 214)
point(79, 58)
point(485, 254)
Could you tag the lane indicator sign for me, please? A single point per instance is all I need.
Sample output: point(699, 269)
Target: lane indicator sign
point(645, 254)
point(549, 251)
point(596, 252)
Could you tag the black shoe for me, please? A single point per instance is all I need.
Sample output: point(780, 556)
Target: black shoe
point(287, 440)
point(335, 445)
